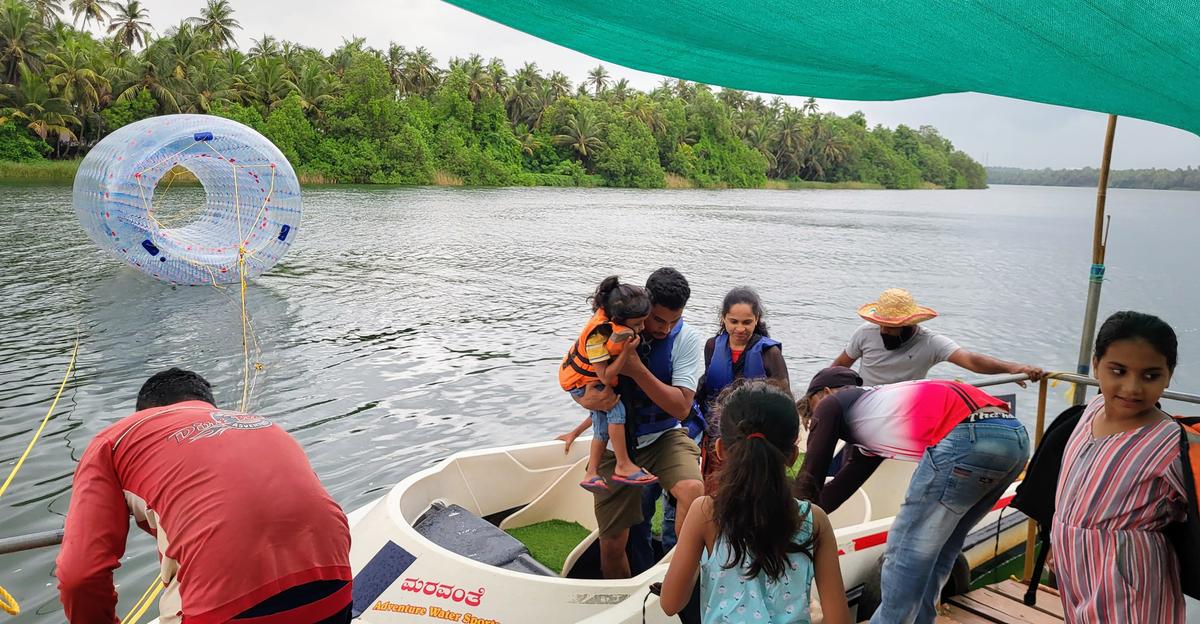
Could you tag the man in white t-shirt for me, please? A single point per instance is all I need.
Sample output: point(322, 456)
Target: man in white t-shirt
point(893, 346)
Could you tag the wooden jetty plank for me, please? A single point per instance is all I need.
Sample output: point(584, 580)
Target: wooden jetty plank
point(955, 615)
point(967, 603)
point(1047, 599)
point(1014, 608)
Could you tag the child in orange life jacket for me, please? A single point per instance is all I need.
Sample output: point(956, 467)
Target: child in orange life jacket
point(590, 370)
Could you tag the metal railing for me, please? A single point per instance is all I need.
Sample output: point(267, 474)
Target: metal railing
point(52, 538)
point(1040, 426)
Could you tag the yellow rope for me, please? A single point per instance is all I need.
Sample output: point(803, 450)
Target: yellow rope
point(50, 412)
point(7, 603)
point(143, 604)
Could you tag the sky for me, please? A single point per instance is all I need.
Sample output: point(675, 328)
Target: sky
point(995, 131)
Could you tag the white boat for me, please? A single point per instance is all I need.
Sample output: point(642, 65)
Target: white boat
point(467, 569)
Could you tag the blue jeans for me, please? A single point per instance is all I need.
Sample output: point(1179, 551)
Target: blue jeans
point(956, 484)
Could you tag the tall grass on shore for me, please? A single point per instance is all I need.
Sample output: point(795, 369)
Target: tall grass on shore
point(39, 171)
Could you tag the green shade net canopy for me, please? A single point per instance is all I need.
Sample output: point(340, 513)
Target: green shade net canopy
point(1140, 59)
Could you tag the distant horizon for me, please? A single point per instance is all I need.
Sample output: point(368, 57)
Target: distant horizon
point(991, 129)
point(1095, 167)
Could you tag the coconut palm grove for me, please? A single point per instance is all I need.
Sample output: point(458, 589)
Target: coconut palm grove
point(76, 70)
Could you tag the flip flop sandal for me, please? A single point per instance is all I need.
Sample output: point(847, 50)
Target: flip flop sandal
point(595, 484)
point(639, 478)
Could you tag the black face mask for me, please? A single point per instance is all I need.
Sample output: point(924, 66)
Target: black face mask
point(891, 343)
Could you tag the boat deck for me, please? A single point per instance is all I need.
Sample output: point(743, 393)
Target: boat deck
point(1002, 604)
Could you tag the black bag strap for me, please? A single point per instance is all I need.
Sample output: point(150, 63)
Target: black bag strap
point(1039, 565)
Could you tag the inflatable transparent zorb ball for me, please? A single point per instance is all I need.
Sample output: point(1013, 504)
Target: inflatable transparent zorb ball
point(250, 216)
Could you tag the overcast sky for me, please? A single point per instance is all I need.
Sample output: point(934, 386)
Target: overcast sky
point(995, 131)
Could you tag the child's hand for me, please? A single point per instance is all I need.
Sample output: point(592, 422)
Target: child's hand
point(633, 342)
point(569, 438)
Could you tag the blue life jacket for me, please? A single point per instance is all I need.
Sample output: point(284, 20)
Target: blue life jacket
point(650, 417)
point(722, 371)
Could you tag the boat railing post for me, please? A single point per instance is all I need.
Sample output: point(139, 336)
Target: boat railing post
point(1039, 428)
point(30, 541)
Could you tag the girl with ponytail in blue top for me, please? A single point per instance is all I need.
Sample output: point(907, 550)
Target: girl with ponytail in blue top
point(755, 549)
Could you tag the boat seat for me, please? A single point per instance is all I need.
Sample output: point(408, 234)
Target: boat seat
point(462, 532)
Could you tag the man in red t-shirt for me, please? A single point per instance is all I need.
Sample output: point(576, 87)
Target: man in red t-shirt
point(244, 528)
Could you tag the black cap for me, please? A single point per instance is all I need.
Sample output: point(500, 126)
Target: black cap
point(833, 377)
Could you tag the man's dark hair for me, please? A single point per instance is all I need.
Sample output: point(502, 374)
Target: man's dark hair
point(668, 288)
point(173, 385)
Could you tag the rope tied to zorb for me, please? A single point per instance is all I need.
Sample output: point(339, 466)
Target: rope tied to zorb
point(248, 337)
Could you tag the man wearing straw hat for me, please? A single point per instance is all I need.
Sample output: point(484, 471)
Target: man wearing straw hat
point(894, 347)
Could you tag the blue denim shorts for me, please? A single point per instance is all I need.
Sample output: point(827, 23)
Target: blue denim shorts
point(600, 419)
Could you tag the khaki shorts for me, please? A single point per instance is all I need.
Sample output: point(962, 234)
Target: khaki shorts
point(673, 457)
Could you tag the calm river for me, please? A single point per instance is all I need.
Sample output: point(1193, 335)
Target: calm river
point(410, 323)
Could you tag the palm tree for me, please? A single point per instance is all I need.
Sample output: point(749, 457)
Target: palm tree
point(91, 11)
point(209, 85)
point(421, 73)
point(314, 88)
point(732, 98)
point(216, 22)
point(499, 77)
point(522, 103)
point(73, 79)
point(178, 50)
point(643, 109)
point(271, 81)
point(582, 135)
point(31, 103)
point(560, 84)
point(237, 66)
point(790, 143)
point(18, 40)
point(147, 76)
point(598, 78)
point(619, 91)
point(478, 82)
point(759, 138)
point(810, 106)
point(527, 76)
point(264, 47)
point(130, 24)
point(395, 62)
point(46, 11)
point(528, 140)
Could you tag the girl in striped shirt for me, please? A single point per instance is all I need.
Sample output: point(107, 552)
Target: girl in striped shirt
point(1121, 484)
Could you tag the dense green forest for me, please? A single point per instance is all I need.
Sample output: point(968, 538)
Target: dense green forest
point(1174, 179)
point(393, 115)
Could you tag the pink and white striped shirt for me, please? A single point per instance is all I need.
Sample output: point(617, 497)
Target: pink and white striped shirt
point(1115, 496)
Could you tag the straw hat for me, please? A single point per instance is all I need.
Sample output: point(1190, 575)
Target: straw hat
point(895, 308)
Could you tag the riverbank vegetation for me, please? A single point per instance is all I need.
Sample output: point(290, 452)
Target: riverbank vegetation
point(392, 115)
point(1166, 179)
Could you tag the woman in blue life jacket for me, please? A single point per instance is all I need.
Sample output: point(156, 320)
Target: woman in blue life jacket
point(742, 349)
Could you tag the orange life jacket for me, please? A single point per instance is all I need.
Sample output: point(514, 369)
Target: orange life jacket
point(576, 371)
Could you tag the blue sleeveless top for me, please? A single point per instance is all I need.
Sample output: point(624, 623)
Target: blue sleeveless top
point(727, 597)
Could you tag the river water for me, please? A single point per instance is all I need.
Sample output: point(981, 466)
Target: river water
point(410, 323)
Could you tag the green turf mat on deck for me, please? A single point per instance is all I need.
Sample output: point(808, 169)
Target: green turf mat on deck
point(657, 521)
point(551, 541)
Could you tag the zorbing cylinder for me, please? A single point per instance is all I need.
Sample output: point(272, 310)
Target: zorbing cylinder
point(251, 214)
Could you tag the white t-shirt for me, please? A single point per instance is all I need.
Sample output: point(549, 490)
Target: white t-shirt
point(912, 360)
point(687, 366)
